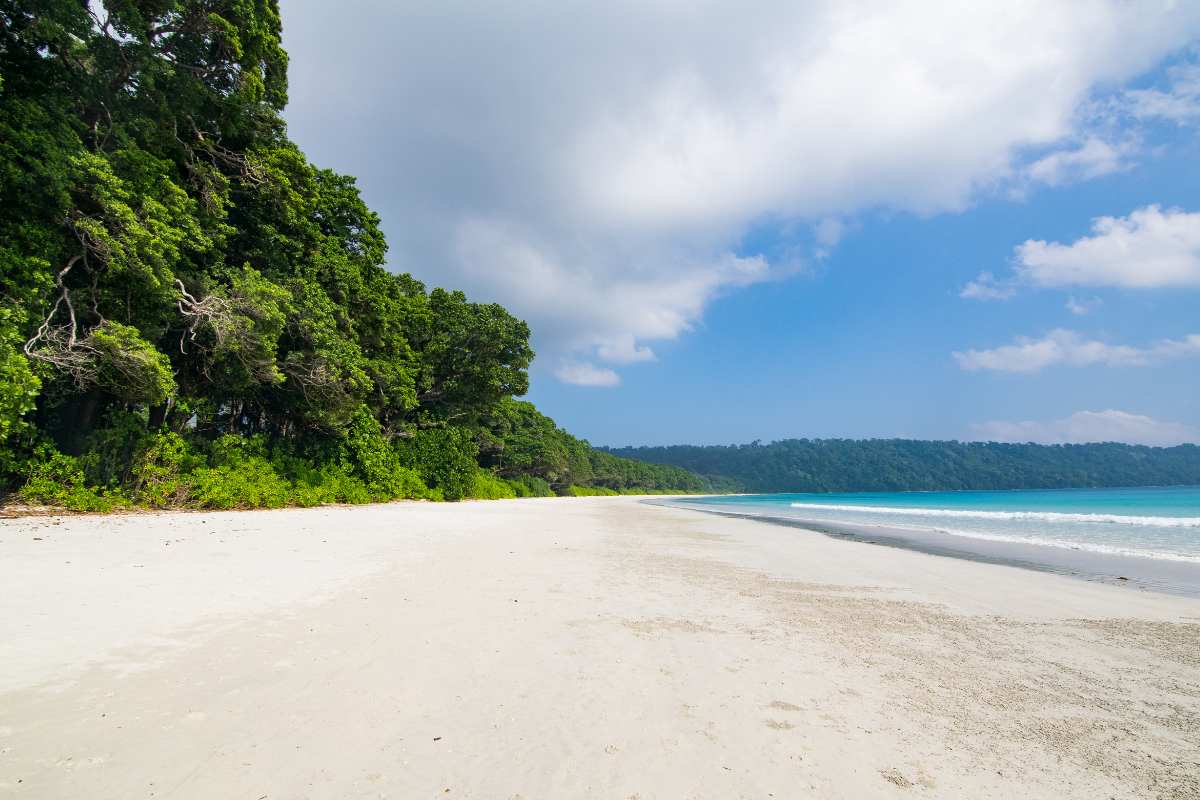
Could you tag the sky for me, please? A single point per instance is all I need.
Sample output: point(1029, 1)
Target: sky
point(728, 222)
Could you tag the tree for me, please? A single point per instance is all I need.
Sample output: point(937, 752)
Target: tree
point(177, 278)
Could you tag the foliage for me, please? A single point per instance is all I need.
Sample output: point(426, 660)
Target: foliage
point(377, 463)
point(162, 470)
point(57, 480)
point(19, 388)
point(444, 458)
point(194, 314)
point(487, 486)
point(517, 440)
point(248, 482)
point(530, 486)
point(590, 491)
point(842, 465)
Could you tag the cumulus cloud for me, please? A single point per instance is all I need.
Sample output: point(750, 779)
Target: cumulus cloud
point(585, 305)
point(1068, 348)
point(1090, 426)
point(596, 170)
point(1151, 248)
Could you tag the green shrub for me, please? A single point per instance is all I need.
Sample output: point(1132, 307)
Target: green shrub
point(162, 470)
point(374, 459)
point(240, 476)
point(19, 386)
point(57, 480)
point(444, 458)
point(111, 450)
point(488, 487)
point(408, 485)
point(250, 483)
point(531, 486)
point(590, 491)
point(330, 484)
point(168, 469)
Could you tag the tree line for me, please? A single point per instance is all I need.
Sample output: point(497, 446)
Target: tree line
point(192, 313)
point(849, 465)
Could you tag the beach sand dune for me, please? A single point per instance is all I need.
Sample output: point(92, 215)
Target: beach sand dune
point(569, 648)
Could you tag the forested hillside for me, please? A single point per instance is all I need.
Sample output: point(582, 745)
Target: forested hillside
point(191, 313)
point(842, 465)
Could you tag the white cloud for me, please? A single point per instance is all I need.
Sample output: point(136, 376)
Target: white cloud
point(1180, 103)
point(1092, 158)
point(582, 373)
point(585, 306)
point(1082, 306)
point(616, 155)
point(828, 232)
point(986, 287)
point(1151, 248)
point(1068, 348)
point(1090, 426)
point(624, 350)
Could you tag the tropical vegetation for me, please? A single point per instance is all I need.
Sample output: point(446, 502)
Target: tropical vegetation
point(848, 465)
point(193, 314)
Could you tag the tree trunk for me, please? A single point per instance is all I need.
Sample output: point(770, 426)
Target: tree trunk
point(78, 420)
point(158, 415)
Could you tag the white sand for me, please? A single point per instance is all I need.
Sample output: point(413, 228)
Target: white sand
point(569, 648)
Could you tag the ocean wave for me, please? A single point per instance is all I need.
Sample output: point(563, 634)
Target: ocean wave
point(1067, 544)
point(1040, 516)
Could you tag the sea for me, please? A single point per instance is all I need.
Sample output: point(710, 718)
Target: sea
point(1147, 536)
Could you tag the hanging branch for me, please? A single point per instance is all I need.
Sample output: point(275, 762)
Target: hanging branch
point(230, 320)
point(46, 333)
point(212, 312)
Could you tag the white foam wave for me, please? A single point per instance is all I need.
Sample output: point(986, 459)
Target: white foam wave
point(1039, 516)
point(1064, 544)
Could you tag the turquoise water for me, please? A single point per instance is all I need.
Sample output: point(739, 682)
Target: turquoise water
point(1160, 523)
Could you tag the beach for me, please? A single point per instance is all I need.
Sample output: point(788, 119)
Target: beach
point(570, 648)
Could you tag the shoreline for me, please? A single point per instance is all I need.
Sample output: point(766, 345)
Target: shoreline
point(1149, 574)
point(597, 648)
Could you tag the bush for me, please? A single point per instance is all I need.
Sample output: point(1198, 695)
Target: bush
point(241, 476)
point(408, 485)
point(168, 469)
point(57, 480)
point(444, 458)
point(19, 387)
point(531, 486)
point(488, 487)
point(110, 451)
point(377, 462)
point(590, 491)
point(250, 483)
point(330, 484)
point(162, 470)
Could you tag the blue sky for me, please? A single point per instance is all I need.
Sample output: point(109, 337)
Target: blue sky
point(725, 239)
point(861, 346)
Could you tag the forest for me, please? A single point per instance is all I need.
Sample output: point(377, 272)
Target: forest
point(881, 465)
point(193, 314)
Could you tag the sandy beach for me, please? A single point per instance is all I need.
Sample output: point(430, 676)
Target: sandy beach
point(570, 648)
